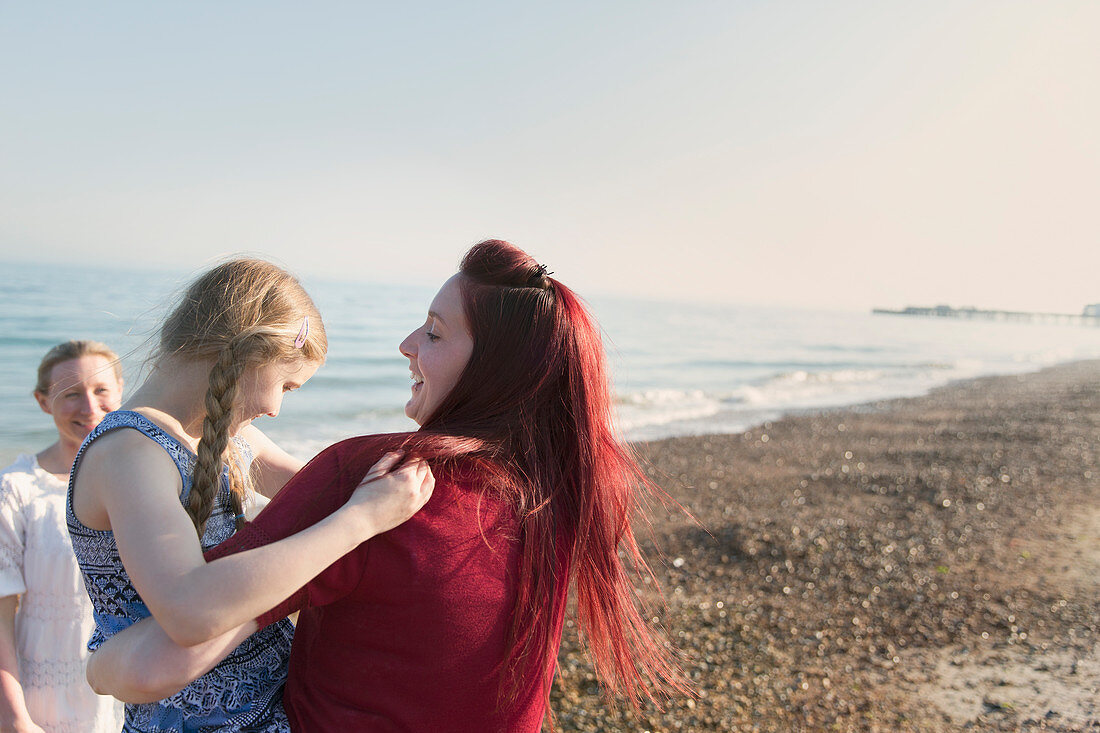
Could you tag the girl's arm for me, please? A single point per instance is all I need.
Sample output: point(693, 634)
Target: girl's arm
point(130, 482)
point(142, 663)
point(259, 501)
point(272, 466)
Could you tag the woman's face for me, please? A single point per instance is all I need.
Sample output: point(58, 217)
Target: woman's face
point(437, 351)
point(82, 391)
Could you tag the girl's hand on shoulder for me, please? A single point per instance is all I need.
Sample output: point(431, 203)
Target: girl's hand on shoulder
point(386, 497)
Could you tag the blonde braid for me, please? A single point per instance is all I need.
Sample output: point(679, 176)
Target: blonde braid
point(215, 449)
point(240, 315)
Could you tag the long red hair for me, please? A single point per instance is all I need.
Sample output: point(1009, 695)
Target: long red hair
point(533, 407)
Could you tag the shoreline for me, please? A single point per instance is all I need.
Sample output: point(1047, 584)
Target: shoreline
point(41, 433)
point(827, 405)
point(926, 563)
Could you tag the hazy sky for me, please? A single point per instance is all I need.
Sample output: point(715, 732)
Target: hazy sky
point(843, 154)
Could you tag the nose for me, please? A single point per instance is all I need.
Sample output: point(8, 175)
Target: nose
point(408, 346)
point(88, 404)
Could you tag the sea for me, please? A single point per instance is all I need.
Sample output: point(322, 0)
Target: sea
point(678, 368)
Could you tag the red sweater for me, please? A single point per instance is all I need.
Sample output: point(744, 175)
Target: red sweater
point(408, 632)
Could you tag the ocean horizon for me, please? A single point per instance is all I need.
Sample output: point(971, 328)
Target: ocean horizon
point(678, 368)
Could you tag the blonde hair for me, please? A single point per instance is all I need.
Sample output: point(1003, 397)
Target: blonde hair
point(69, 350)
point(243, 313)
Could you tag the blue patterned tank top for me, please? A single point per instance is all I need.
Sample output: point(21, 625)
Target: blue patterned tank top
point(243, 693)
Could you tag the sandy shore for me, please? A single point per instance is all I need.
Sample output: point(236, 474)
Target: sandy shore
point(930, 564)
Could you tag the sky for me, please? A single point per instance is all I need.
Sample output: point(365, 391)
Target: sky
point(835, 155)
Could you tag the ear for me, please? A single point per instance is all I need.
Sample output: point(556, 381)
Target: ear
point(43, 402)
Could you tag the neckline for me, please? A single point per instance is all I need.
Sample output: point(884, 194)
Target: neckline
point(36, 468)
point(157, 427)
point(237, 440)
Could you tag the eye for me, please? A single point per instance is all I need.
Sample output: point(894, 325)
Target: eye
point(431, 336)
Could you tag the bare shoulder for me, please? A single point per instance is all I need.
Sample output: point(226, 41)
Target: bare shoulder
point(119, 467)
point(121, 450)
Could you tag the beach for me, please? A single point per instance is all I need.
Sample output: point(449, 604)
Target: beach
point(815, 590)
point(920, 564)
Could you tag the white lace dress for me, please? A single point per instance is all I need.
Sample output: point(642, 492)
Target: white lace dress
point(54, 620)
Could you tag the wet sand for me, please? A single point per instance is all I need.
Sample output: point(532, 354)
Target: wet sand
point(928, 564)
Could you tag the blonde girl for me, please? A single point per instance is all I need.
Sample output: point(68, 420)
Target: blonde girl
point(177, 470)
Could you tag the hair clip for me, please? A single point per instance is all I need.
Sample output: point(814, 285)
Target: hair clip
point(541, 271)
point(300, 339)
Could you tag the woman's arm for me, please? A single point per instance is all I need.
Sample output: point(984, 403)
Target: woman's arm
point(142, 664)
point(13, 708)
point(136, 484)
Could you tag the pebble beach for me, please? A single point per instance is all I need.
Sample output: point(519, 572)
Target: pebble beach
point(923, 564)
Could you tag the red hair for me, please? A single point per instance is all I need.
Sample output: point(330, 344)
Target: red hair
point(533, 407)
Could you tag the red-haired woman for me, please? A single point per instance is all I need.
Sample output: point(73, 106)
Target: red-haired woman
point(452, 621)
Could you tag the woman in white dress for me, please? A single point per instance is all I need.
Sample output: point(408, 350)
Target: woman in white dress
point(45, 615)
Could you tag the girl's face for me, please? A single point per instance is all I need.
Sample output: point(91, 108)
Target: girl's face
point(82, 391)
point(262, 388)
point(437, 351)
